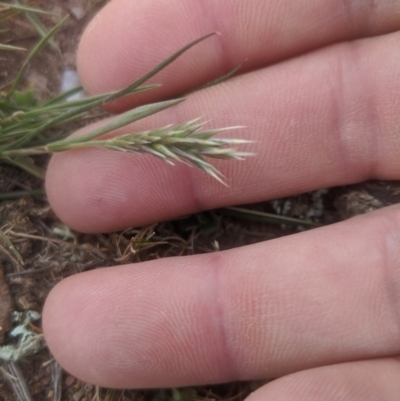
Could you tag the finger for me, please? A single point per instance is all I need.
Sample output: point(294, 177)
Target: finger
point(128, 38)
point(329, 118)
point(356, 381)
point(326, 296)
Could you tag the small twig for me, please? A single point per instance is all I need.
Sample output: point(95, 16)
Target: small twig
point(56, 370)
point(20, 194)
point(97, 394)
point(32, 271)
point(7, 247)
point(17, 381)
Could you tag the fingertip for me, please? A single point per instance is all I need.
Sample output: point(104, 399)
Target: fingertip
point(121, 44)
point(136, 326)
point(69, 190)
point(74, 316)
point(100, 191)
point(367, 380)
point(62, 313)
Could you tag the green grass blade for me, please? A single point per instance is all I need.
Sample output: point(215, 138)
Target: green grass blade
point(122, 120)
point(63, 118)
point(33, 54)
point(60, 102)
point(14, 149)
point(41, 29)
point(156, 69)
point(19, 7)
point(9, 47)
point(64, 96)
point(27, 164)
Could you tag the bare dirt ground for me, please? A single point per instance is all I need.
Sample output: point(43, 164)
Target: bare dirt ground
point(50, 251)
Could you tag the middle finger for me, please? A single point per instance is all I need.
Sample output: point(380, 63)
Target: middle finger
point(325, 119)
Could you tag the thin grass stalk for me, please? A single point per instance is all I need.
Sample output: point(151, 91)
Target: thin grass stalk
point(158, 68)
point(27, 164)
point(11, 48)
point(40, 28)
point(56, 375)
point(217, 81)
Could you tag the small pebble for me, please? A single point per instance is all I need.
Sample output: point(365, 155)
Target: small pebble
point(70, 80)
point(77, 12)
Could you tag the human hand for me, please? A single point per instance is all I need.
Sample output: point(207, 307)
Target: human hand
point(319, 309)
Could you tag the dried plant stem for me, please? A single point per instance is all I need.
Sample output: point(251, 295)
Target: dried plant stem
point(12, 373)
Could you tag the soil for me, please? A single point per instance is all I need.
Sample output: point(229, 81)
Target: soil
point(49, 251)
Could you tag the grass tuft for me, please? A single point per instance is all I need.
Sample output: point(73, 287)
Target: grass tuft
point(29, 127)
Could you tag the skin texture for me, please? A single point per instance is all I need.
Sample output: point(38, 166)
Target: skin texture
point(319, 94)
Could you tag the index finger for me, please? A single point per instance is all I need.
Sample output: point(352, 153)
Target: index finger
point(127, 38)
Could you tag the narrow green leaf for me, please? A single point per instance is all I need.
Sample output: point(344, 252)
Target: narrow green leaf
point(9, 47)
point(117, 122)
point(158, 68)
point(69, 115)
point(40, 28)
point(63, 97)
point(33, 54)
point(27, 164)
point(60, 102)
